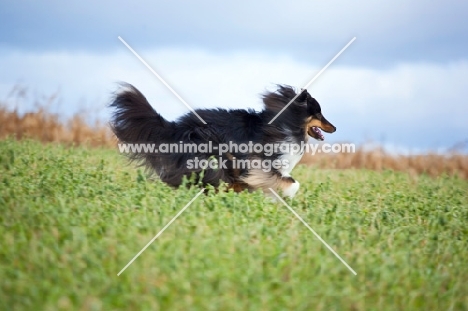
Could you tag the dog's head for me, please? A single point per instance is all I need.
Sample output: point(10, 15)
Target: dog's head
point(304, 110)
point(315, 120)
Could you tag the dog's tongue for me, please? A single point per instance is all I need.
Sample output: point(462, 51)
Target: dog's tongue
point(318, 132)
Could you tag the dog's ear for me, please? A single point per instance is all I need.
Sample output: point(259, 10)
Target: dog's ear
point(302, 96)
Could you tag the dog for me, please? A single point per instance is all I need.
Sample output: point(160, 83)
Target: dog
point(134, 121)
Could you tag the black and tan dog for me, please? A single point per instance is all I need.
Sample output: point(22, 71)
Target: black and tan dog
point(134, 121)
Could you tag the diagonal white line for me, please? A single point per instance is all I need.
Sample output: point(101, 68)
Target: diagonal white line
point(313, 79)
point(161, 79)
point(312, 230)
point(160, 232)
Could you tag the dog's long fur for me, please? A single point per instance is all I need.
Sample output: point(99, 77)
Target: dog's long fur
point(135, 121)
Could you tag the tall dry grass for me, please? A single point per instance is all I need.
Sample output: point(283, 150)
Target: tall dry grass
point(47, 127)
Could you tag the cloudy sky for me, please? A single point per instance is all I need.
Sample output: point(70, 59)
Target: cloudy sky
point(401, 83)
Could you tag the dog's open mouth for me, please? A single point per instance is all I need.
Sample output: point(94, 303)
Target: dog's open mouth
point(315, 132)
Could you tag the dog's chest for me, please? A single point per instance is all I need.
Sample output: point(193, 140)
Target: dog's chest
point(289, 161)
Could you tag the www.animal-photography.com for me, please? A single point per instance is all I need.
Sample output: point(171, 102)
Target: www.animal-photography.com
point(233, 155)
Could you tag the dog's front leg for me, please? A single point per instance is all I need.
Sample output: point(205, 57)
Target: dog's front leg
point(288, 186)
point(258, 179)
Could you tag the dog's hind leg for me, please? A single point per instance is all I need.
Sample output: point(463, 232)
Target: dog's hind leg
point(238, 186)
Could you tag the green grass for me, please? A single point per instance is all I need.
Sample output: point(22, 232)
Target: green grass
point(72, 218)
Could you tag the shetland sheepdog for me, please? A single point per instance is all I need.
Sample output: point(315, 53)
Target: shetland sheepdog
point(228, 148)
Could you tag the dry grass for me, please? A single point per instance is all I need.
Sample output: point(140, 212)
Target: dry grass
point(48, 127)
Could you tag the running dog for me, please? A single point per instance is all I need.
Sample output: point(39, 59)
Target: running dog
point(134, 121)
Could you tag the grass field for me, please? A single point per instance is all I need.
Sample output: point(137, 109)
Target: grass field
point(72, 218)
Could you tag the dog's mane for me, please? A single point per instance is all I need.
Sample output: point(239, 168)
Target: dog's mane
point(276, 100)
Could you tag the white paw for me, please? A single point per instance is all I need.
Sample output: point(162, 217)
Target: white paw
point(292, 189)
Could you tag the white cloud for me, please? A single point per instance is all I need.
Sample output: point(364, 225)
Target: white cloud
point(401, 29)
point(407, 103)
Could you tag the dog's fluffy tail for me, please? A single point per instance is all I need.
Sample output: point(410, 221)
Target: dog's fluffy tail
point(134, 120)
